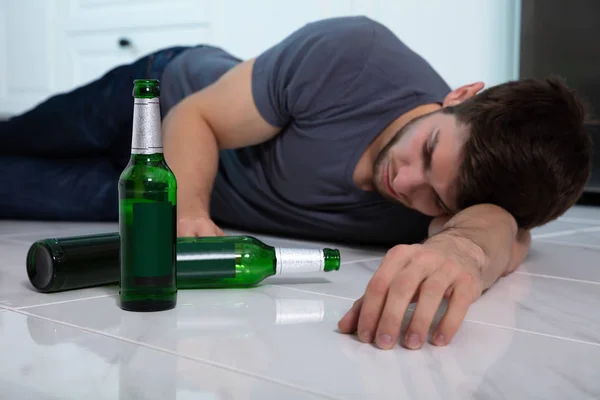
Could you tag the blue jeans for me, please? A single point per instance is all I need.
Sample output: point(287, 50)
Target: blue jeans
point(62, 159)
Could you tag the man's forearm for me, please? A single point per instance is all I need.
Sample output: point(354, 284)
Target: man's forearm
point(192, 152)
point(495, 232)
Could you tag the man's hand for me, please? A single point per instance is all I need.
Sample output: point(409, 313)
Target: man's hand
point(199, 226)
point(443, 267)
point(465, 255)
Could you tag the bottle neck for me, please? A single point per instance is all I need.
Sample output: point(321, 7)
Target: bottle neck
point(147, 133)
point(147, 159)
point(290, 260)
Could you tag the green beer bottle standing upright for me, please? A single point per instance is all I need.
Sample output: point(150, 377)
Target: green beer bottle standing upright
point(147, 211)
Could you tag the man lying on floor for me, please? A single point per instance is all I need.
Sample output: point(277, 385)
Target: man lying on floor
point(338, 132)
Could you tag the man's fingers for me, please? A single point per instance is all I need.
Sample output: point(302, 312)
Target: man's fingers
point(185, 231)
point(186, 228)
point(376, 292)
point(198, 227)
point(463, 295)
point(401, 291)
point(431, 293)
point(374, 299)
point(349, 322)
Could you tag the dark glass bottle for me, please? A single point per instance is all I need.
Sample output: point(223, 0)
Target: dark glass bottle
point(147, 211)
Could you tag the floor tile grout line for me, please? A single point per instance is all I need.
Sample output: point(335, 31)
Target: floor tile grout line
point(590, 229)
point(4, 236)
point(566, 232)
point(51, 233)
point(557, 277)
point(62, 302)
point(534, 332)
point(18, 235)
point(570, 244)
point(583, 221)
point(174, 353)
point(361, 260)
point(313, 292)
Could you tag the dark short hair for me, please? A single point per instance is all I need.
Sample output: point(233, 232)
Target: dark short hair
point(527, 150)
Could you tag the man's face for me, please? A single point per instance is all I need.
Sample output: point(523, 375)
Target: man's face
point(419, 166)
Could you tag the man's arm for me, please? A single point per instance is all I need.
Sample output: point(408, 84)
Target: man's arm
point(220, 116)
point(495, 231)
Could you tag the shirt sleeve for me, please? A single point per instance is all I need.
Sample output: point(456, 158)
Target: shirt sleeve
point(301, 77)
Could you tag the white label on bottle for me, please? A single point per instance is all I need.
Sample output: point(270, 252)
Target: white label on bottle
point(290, 261)
point(147, 134)
point(298, 311)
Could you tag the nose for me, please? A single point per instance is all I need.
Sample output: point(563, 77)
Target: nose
point(408, 181)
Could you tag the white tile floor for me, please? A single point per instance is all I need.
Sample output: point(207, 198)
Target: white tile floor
point(535, 334)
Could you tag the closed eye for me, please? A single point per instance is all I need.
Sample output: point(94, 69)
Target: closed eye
point(427, 152)
point(428, 149)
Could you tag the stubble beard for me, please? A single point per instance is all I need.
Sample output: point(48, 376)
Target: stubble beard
point(382, 159)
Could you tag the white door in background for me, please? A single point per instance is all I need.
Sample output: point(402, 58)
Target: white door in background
point(52, 46)
point(27, 53)
point(102, 34)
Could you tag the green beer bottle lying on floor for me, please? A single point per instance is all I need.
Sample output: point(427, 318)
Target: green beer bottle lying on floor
point(59, 264)
point(147, 211)
point(229, 261)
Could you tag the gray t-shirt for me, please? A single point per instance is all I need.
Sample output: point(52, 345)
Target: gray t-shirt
point(332, 86)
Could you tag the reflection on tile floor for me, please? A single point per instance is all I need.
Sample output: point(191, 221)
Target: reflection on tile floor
point(537, 326)
point(95, 366)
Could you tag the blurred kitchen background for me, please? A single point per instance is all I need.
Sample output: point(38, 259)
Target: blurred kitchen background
point(51, 46)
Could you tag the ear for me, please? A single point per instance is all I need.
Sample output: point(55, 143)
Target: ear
point(462, 93)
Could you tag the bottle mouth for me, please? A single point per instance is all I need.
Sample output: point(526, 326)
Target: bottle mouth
point(332, 259)
point(146, 88)
point(40, 266)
